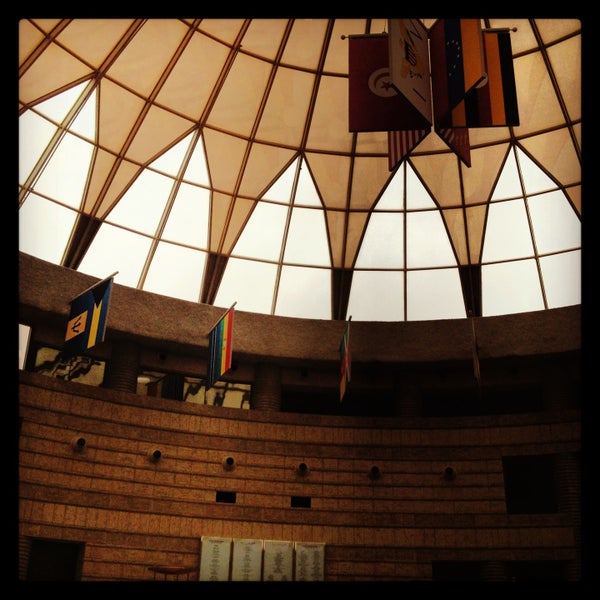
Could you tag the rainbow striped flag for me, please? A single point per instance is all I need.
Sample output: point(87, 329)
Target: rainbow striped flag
point(219, 348)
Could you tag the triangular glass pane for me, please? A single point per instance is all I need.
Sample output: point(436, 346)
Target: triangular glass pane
point(427, 241)
point(197, 169)
point(85, 121)
point(555, 224)
point(170, 162)
point(306, 194)
point(65, 174)
point(393, 196)
point(188, 219)
point(281, 190)
point(263, 234)
point(508, 185)
point(507, 233)
point(383, 243)
point(142, 206)
point(416, 194)
point(35, 134)
point(535, 180)
point(57, 107)
point(306, 242)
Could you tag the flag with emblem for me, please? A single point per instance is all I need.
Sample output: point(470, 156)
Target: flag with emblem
point(374, 103)
point(87, 318)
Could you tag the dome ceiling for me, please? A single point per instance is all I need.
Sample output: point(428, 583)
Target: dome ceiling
point(211, 160)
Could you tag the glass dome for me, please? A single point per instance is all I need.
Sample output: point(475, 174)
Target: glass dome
point(211, 160)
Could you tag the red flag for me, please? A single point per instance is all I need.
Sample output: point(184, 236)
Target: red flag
point(401, 143)
point(374, 102)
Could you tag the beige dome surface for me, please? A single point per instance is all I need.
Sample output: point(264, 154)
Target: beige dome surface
point(211, 160)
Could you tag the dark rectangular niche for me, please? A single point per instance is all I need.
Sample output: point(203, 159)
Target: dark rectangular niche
point(300, 502)
point(228, 497)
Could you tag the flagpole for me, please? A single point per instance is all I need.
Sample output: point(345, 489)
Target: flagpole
point(219, 319)
point(94, 285)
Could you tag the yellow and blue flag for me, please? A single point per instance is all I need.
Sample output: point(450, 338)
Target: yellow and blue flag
point(87, 318)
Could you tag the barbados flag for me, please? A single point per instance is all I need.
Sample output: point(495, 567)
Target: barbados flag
point(220, 348)
point(87, 318)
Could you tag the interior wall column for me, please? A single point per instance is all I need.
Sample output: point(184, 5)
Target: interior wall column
point(123, 367)
point(266, 389)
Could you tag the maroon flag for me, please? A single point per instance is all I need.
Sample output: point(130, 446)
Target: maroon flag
point(374, 102)
point(401, 143)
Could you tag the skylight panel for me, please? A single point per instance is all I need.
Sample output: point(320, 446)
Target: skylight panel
point(143, 204)
point(176, 271)
point(65, 174)
point(57, 107)
point(188, 218)
point(562, 278)
point(304, 292)
point(35, 134)
point(416, 194)
point(263, 234)
point(105, 255)
point(170, 162)
point(197, 170)
point(510, 287)
point(383, 243)
point(508, 185)
point(507, 232)
point(377, 296)
point(555, 224)
point(393, 195)
point(249, 283)
point(427, 241)
point(34, 216)
point(434, 294)
point(307, 238)
point(534, 179)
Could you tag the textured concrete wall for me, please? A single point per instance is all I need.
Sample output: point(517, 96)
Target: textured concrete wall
point(133, 513)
